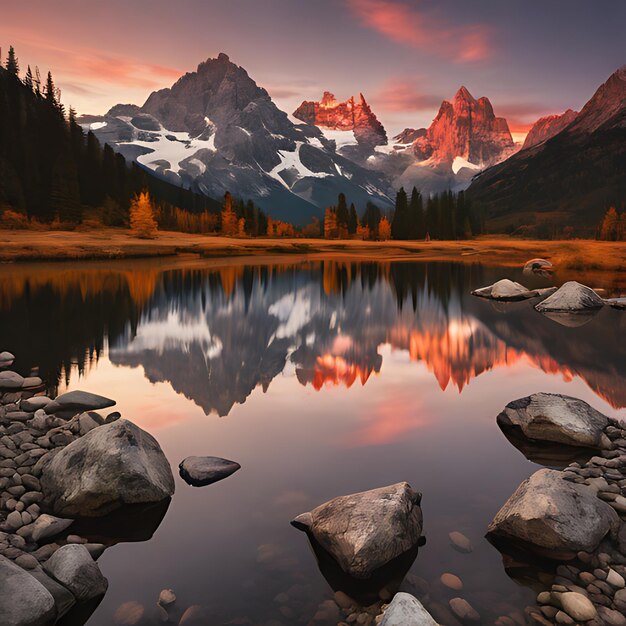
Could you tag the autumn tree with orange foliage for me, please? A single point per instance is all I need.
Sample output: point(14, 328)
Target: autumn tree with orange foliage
point(142, 218)
point(384, 229)
point(331, 230)
point(230, 222)
point(611, 227)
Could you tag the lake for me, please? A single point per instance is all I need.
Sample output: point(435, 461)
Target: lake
point(321, 378)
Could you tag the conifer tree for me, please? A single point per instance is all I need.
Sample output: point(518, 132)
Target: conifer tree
point(400, 220)
point(12, 65)
point(610, 225)
point(51, 91)
point(28, 79)
point(37, 81)
point(371, 218)
point(353, 221)
point(416, 219)
point(343, 217)
point(384, 229)
point(65, 191)
point(142, 221)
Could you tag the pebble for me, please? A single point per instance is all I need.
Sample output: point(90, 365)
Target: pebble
point(451, 581)
point(464, 610)
point(460, 542)
point(129, 613)
point(167, 597)
point(577, 606)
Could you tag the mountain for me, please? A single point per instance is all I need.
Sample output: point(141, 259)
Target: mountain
point(465, 128)
point(216, 130)
point(548, 126)
point(465, 137)
point(351, 115)
point(569, 179)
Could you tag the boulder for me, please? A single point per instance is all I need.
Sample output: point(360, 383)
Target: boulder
point(24, 601)
point(406, 610)
point(504, 289)
point(79, 401)
point(554, 517)
point(73, 567)
point(366, 530)
point(577, 606)
point(112, 465)
point(551, 417)
point(204, 470)
point(571, 296)
point(63, 599)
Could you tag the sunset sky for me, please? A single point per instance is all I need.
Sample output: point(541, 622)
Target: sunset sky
point(531, 58)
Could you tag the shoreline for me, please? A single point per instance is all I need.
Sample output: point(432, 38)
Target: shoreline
point(24, 246)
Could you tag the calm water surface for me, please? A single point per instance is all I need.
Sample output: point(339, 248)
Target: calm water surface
point(320, 379)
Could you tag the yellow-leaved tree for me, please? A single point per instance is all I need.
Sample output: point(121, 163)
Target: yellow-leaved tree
point(142, 221)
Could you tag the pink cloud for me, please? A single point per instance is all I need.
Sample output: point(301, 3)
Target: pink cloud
point(422, 30)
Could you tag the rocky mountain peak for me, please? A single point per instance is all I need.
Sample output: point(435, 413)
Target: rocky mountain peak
point(466, 128)
point(351, 115)
point(549, 126)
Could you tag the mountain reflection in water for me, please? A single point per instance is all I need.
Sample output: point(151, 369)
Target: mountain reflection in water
point(354, 358)
point(215, 335)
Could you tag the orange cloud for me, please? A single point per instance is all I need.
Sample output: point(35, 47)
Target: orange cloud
point(423, 31)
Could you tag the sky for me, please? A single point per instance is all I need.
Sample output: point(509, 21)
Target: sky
point(529, 57)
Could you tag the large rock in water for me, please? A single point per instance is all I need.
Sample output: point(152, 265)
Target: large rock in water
point(571, 296)
point(508, 290)
point(555, 418)
point(406, 610)
point(110, 466)
point(554, 517)
point(24, 601)
point(366, 530)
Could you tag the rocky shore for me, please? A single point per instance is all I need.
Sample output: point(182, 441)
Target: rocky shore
point(61, 461)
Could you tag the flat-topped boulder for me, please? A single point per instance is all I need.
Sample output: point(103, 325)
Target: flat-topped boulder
point(406, 610)
point(199, 471)
point(24, 601)
point(551, 417)
point(112, 465)
point(554, 517)
point(571, 296)
point(508, 290)
point(366, 530)
point(78, 401)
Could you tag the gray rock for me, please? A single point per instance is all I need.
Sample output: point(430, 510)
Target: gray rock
point(205, 470)
point(81, 401)
point(47, 526)
point(571, 296)
point(617, 303)
point(555, 418)
point(366, 530)
point(73, 567)
point(406, 610)
point(35, 403)
point(63, 599)
point(24, 601)
point(11, 380)
point(555, 517)
point(110, 466)
point(508, 290)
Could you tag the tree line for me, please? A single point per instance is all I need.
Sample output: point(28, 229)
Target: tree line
point(51, 170)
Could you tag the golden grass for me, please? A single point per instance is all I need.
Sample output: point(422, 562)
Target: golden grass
point(111, 243)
